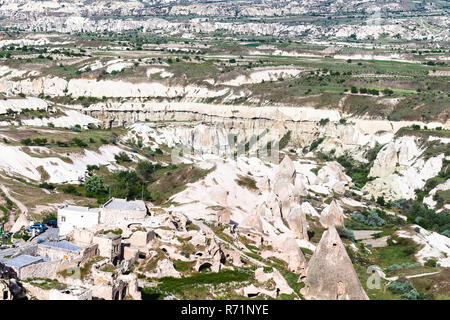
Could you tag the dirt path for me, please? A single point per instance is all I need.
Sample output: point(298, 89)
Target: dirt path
point(19, 204)
point(23, 209)
point(414, 276)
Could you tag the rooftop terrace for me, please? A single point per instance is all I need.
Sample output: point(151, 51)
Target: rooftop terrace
point(22, 261)
point(123, 204)
point(63, 245)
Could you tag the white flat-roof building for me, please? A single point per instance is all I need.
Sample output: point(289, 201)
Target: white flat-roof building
point(114, 212)
point(74, 217)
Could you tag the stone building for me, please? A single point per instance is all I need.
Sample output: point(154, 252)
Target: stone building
point(108, 246)
point(120, 211)
point(71, 217)
point(19, 263)
point(58, 250)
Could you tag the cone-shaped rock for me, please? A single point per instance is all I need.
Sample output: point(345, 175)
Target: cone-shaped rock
point(253, 221)
point(332, 215)
point(285, 171)
point(297, 222)
point(290, 252)
point(330, 274)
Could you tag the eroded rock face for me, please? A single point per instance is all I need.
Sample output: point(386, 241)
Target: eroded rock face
point(385, 162)
point(165, 268)
point(253, 221)
point(9, 277)
point(332, 215)
point(289, 251)
point(402, 167)
point(297, 222)
point(330, 274)
point(285, 171)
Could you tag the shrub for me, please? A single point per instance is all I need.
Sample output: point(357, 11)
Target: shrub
point(402, 266)
point(380, 201)
point(48, 186)
point(146, 169)
point(91, 167)
point(122, 157)
point(404, 288)
point(346, 233)
point(315, 144)
point(80, 143)
point(26, 142)
point(430, 263)
point(76, 128)
point(372, 218)
point(71, 190)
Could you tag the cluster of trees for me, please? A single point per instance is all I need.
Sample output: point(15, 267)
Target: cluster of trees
point(359, 172)
point(34, 142)
point(374, 92)
point(425, 217)
point(129, 184)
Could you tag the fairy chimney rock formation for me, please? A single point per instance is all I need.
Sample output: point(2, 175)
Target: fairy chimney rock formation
point(332, 215)
point(297, 222)
point(330, 274)
point(284, 175)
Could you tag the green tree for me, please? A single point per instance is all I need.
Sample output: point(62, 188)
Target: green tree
point(127, 184)
point(94, 186)
point(146, 169)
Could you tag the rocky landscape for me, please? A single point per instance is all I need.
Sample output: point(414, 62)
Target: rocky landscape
point(262, 151)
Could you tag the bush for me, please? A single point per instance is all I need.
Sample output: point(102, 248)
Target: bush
point(380, 201)
point(48, 186)
point(91, 167)
point(146, 169)
point(26, 142)
point(371, 218)
point(76, 128)
point(80, 143)
point(127, 184)
point(430, 263)
point(404, 288)
point(122, 157)
point(346, 233)
point(402, 266)
point(315, 144)
point(71, 190)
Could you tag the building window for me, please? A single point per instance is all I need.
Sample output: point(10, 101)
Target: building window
point(63, 219)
